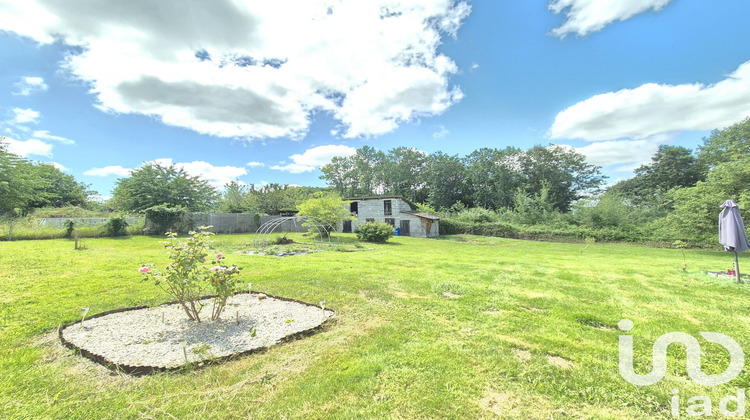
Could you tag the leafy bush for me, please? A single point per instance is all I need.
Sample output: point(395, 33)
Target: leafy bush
point(116, 226)
point(163, 218)
point(374, 232)
point(188, 274)
point(70, 226)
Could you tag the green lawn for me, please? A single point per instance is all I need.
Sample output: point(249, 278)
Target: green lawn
point(458, 327)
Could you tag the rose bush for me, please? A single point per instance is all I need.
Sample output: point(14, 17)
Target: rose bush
point(187, 277)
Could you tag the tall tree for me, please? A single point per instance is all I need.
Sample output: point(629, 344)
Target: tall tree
point(17, 184)
point(272, 198)
point(233, 198)
point(726, 145)
point(563, 170)
point(671, 167)
point(446, 177)
point(57, 189)
point(696, 208)
point(404, 172)
point(493, 177)
point(154, 184)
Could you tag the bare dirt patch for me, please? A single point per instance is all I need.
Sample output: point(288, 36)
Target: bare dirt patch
point(560, 362)
point(522, 354)
point(451, 295)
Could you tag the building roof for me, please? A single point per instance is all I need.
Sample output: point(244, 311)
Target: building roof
point(423, 215)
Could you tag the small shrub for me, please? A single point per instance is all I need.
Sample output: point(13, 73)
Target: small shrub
point(116, 226)
point(69, 226)
point(374, 232)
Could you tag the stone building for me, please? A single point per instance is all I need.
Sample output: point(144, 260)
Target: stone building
point(397, 211)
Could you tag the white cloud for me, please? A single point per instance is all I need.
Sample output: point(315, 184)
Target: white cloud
point(314, 158)
point(653, 109)
point(59, 166)
point(255, 70)
point(37, 142)
point(631, 152)
point(255, 164)
point(45, 135)
point(29, 85)
point(217, 176)
point(586, 16)
point(441, 134)
point(474, 66)
point(29, 147)
point(25, 116)
point(108, 171)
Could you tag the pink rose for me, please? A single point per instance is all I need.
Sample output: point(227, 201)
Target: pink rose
point(216, 269)
point(219, 256)
point(144, 270)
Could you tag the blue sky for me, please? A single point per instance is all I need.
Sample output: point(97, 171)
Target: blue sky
point(269, 91)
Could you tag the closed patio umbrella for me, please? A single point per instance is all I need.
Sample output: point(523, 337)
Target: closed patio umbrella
point(732, 233)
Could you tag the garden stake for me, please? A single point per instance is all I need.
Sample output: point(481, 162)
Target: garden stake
point(84, 311)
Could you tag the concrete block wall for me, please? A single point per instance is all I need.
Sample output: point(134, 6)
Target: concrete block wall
point(374, 209)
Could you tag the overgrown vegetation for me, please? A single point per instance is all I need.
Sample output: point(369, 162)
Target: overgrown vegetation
point(26, 228)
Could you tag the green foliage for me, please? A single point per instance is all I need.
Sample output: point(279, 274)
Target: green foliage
point(234, 199)
point(485, 178)
point(696, 209)
point(493, 177)
point(163, 218)
point(374, 232)
point(532, 209)
point(559, 173)
point(188, 275)
point(329, 209)
point(116, 226)
point(67, 212)
point(672, 167)
point(69, 226)
point(155, 185)
point(726, 145)
point(446, 176)
point(26, 185)
point(29, 228)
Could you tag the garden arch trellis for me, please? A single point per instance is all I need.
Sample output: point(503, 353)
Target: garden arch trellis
point(294, 224)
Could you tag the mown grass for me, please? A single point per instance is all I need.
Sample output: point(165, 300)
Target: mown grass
point(459, 327)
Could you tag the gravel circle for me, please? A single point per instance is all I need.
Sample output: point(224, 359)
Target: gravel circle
point(164, 338)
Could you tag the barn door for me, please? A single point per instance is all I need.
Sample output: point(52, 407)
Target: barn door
point(405, 228)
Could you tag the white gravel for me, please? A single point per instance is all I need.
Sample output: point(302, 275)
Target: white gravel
point(153, 336)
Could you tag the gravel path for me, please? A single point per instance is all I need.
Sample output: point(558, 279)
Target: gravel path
point(154, 336)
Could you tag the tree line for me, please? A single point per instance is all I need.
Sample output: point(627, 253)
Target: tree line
point(27, 185)
point(488, 178)
point(545, 188)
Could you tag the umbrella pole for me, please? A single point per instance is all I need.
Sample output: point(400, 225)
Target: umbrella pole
point(737, 267)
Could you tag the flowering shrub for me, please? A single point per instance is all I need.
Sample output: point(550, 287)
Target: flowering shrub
point(190, 274)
